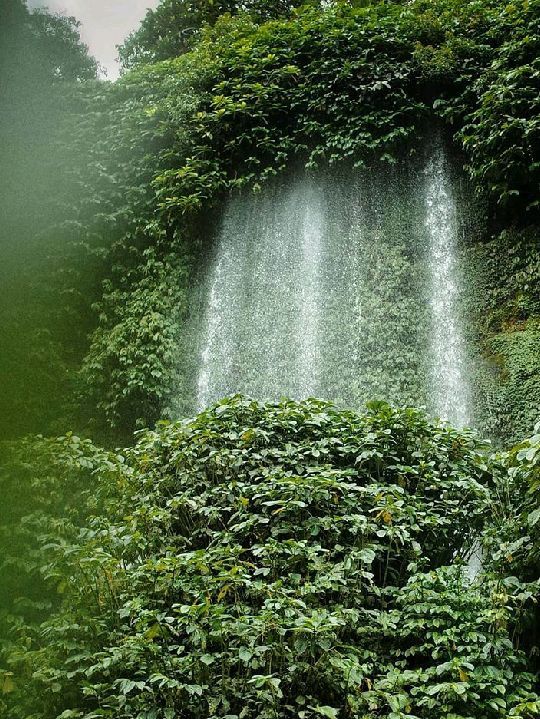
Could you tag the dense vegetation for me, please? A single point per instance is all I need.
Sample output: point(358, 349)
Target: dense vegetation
point(41, 60)
point(507, 313)
point(258, 560)
point(278, 560)
point(175, 26)
point(163, 145)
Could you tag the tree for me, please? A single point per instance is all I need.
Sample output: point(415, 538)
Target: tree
point(39, 45)
point(41, 59)
point(170, 29)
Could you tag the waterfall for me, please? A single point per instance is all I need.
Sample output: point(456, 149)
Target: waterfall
point(308, 329)
point(449, 391)
point(341, 285)
point(262, 324)
point(214, 335)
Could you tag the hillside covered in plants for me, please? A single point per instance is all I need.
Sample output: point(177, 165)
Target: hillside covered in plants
point(145, 162)
point(264, 556)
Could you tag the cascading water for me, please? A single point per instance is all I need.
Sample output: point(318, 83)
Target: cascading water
point(339, 286)
point(262, 326)
point(310, 301)
point(449, 391)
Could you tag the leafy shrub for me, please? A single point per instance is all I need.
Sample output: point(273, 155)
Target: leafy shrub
point(513, 538)
point(48, 492)
point(277, 560)
point(503, 136)
point(138, 336)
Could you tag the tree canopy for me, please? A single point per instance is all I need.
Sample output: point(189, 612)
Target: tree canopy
point(175, 25)
point(37, 45)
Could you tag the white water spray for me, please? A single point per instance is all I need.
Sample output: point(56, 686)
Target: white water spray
point(449, 388)
point(346, 288)
point(262, 333)
point(309, 316)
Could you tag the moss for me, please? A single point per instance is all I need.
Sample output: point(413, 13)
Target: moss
point(519, 351)
point(506, 288)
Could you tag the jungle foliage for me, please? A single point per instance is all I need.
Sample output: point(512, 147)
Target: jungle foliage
point(274, 560)
point(319, 85)
point(259, 560)
point(505, 272)
point(174, 26)
point(42, 61)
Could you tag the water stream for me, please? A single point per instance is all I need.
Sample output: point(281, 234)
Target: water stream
point(449, 388)
point(343, 285)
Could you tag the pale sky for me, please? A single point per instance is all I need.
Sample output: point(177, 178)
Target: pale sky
point(104, 24)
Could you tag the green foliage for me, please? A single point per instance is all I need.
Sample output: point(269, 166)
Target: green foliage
point(325, 85)
point(520, 375)
point(523, 523)
point(321, 85)
point(38, 46)
point(127, 270)
point(46, 495)
point(513, 538)
point(271, 560)
point(41, 60)
point(138, 334)
point(356, 82)
point(503, 136)
point(174, 26)
point(505, 275)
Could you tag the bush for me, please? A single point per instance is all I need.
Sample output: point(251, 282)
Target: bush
point(513, 539)
point(277, 560)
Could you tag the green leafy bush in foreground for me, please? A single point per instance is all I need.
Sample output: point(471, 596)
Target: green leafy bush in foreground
point(272, 560)
point(513, 538)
